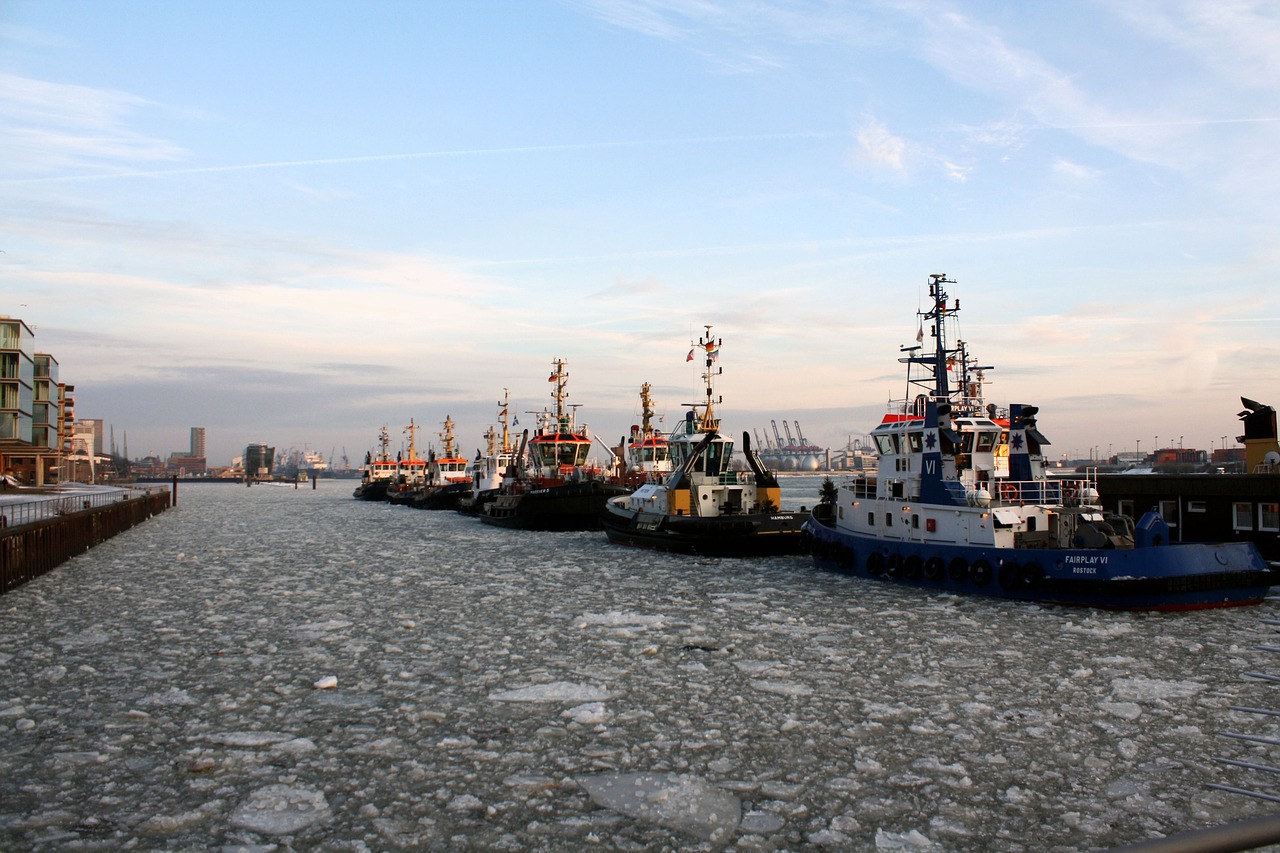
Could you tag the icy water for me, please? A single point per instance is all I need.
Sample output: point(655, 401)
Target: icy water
point(270, 668)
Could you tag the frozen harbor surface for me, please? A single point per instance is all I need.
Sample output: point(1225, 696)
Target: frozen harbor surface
point(272, 669)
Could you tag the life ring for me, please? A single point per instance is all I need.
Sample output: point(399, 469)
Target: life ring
point(895, 566)
point(1032, 576)
point(875, 563)
point(980, 573)
point(933, 568)
point(958, 571)
point(911, 567)
point(1010, 577)
point(1009, 492)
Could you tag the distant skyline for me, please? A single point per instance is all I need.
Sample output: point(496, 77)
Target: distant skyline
point(295, 222)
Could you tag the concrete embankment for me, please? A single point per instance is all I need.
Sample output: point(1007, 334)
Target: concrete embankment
point(42, 534)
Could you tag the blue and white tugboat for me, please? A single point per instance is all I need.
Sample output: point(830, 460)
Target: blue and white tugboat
point(703, 506)
point(962, 504)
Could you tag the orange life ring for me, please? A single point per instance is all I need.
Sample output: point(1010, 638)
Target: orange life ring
point(1009, 492)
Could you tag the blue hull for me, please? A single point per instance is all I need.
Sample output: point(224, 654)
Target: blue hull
point(1168, 577)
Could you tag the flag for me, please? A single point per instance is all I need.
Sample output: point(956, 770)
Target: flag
point(515, 421)
point(551, 378)
point(690, 358)
point(710, 347)
point(920, 333)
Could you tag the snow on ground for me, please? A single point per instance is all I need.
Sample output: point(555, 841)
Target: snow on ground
point(291, 669)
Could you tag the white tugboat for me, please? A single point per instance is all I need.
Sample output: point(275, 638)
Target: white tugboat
point(703, 506)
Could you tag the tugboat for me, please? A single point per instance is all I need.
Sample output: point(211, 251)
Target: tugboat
point(962, 504)
point(379, 471)
point(557, 490)
point(647, 453)
point(703, 506)
point(447, 478)
point(496, 465)
point(411, 472)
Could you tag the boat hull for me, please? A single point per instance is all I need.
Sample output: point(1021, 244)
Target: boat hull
point(574, 506)
point(744, 535)
point(442, 497)
point(1166, 577)
point(372, 491)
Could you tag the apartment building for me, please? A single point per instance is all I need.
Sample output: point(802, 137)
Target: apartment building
point(36, 408)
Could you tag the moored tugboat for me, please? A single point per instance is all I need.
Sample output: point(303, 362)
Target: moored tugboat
point(646, 452)
point(703, 506)
point(496, 466)
point(556, 489)
point(411, 472)
point(447, 478)
point(379, 471)
point(962, 504)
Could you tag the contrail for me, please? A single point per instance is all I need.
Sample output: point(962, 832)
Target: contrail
point(424, 155)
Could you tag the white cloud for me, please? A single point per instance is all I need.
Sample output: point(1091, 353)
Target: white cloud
point(881, 148)
point(53, 126)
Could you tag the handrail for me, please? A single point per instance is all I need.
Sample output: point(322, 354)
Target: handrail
point(17, 513)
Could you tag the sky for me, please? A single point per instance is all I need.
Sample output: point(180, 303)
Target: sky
point(295, 222)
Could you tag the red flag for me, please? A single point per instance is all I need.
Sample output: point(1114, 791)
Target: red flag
point(690, 358)
point(551, 378)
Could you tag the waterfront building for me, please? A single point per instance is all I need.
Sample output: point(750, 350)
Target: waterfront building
point(197, 442)
point(36, 408)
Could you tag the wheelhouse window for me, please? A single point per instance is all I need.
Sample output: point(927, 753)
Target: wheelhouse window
point(987, 440)
point(1242, 514)
point(1269, 517)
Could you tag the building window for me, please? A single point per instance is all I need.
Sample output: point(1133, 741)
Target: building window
point(1196, 506)
point(1242, 516)
point(1169, 512)
point(1125, 507)
point(1269, 517)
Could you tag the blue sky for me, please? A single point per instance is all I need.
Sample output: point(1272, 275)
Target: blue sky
point(294, 222)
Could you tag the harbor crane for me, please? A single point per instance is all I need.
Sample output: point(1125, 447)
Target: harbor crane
point(776, 435)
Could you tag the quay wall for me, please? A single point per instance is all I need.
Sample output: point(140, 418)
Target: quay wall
point(31, 549)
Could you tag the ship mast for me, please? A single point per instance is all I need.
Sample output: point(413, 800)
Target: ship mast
point(646, 412)
point(934, 378)
point(561, 378)
point(384, 442)
point(502, 419)
point(711, 350)
point(412, 431)
point(446, 435)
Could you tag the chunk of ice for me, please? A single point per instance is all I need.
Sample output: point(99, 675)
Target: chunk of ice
point(687, 803)
point(281, 810)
